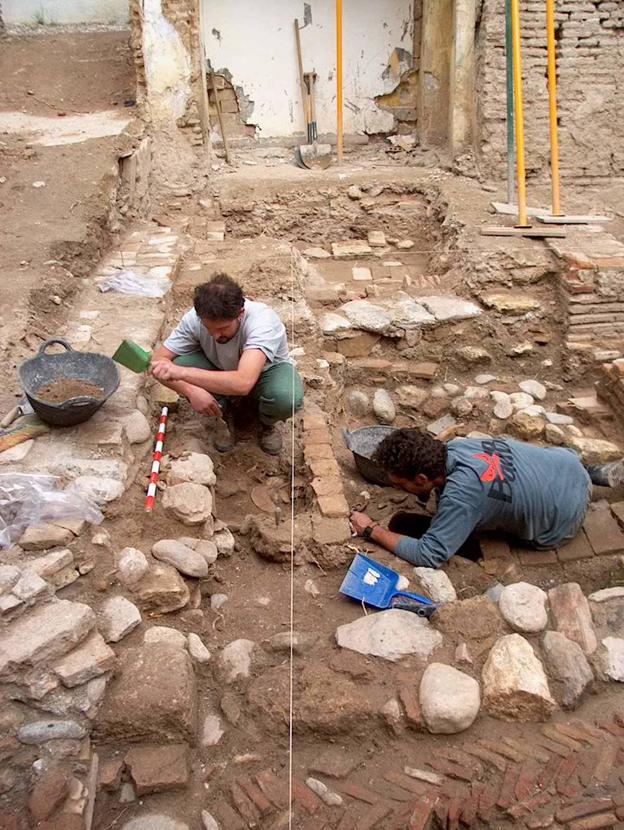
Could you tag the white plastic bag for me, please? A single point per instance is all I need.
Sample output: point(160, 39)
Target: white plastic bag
point(27, 500)
point(127, 282)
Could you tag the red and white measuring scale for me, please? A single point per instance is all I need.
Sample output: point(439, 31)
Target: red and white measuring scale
point(156, 458)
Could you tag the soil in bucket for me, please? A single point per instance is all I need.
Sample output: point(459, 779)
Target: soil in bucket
point(62, 389)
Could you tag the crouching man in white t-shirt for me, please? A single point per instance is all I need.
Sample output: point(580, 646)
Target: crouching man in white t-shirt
point(226, 347)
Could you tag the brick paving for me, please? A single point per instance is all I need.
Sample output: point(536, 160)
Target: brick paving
point(568, 775)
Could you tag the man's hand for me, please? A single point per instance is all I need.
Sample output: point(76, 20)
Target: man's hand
point(202, 401)
point(359, 521)
point(166, 370)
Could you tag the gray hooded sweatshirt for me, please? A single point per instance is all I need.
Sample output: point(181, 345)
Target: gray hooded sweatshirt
point(536, 494)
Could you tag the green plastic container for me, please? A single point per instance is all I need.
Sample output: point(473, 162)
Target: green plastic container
point(133, 357)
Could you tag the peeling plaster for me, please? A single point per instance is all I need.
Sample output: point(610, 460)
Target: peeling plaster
point(167, 65)
point(374, 31)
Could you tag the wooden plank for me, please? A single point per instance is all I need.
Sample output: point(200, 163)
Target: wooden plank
point(573, 219)
point(508, 209)
point(538, 233)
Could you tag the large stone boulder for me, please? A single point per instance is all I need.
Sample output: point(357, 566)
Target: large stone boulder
point(523, 606)
point(161, 590)
point(189, 503)
point(194, 467)
point(184, 559)
point(449, 699)
point(568, 667)
point(610, 659)
point(435, 584)
point(514, 683)
point(153, 698)
point(391, 634)
point(572, 616)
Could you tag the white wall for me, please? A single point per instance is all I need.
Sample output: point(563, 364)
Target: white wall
point(256, 43)
point(23, 12)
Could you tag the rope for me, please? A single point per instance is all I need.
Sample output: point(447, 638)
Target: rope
point(292, 555)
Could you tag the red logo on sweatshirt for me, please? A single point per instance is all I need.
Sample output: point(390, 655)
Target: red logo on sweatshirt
point(494, 471)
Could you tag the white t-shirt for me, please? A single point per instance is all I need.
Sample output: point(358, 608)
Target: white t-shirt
point(260, 328)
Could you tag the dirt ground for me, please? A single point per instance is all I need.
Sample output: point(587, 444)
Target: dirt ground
point(52, 234)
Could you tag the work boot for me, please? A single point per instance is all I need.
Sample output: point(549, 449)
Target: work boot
point(224, 437)
point(609, 475)
point(270, 439)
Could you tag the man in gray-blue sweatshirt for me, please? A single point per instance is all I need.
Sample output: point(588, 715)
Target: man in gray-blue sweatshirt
point(539, 495)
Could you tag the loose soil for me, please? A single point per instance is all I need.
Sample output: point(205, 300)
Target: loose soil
point(63, 389)
point(52, 235)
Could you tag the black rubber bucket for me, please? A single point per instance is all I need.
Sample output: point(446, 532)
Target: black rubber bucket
point(363, 443)
point(92, 367)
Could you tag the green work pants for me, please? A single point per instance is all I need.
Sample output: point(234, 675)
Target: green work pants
point(278, 390)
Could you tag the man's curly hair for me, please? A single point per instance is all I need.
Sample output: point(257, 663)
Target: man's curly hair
point(407, 453)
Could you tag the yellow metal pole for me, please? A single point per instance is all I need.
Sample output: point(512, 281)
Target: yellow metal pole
point(339, 99)
point(552, 100)
point(519, 114)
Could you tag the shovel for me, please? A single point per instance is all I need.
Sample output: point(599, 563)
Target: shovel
point(133, 357)
point(373, 584)
point(310, 155)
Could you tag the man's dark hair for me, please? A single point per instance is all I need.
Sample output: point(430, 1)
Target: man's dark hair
point(407, 453)
point(218, 299)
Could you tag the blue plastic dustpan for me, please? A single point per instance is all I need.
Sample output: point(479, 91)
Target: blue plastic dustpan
point(369, 582)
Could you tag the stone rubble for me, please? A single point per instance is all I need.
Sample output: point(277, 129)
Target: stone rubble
point(391, 634)
point(568, 665)
point(184, 559)
point(435, 584)
point(449, 699)
point(523, 606)
point(119, 617)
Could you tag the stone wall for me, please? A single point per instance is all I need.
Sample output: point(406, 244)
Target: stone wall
point(590, 63)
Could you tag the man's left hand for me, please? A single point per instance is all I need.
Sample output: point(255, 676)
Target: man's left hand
point(359, 521)
point(166, 370)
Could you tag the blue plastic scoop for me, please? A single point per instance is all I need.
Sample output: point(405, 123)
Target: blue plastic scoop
point(373, 584)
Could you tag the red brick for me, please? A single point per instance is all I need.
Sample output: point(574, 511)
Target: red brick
point(573, 732)
point(441, 811)
point(595, 735)
point(487, 802)
point(605, 763)
point(577, 548)
point(549, 772)
point(529, 805)
point(527, 780)
point(406, 783)
point(158, 768)
point(413, 715)
point(491, 758)
point(603, 532)
point(471, 805)
point(305, 797)
point(593, 822)
point(620, 812)
point(618, 718)
point(552, 746)
point(228, 818)
point(561, 738)
point(540, 818)
point(450, 769)
point(254, 793)
point(454, 811)
point(583, 808)
point(586, 767)
point(244, 806)
point(311, 422)
point(334, 507)
point(506, 795)
point(316, 452)
point(371, 818)
point(348, 821)
point(455, 789)
point(324, 467)
point(457, 756)
point(532, 558)
point(274, 789)
point(566, 770)
point(528, 750)
point(359, 793)
point(317, 436)
point(495, 549)
point(612, 728)
point(419, 819)
point(506, 751)
point(327, 486)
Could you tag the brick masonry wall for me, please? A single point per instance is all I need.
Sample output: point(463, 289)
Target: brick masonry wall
point(590, 66)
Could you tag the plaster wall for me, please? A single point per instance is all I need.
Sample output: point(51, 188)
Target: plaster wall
point(255, 43)
point(24, 12)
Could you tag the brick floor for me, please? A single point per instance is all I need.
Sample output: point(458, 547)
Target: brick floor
point(570, 773)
